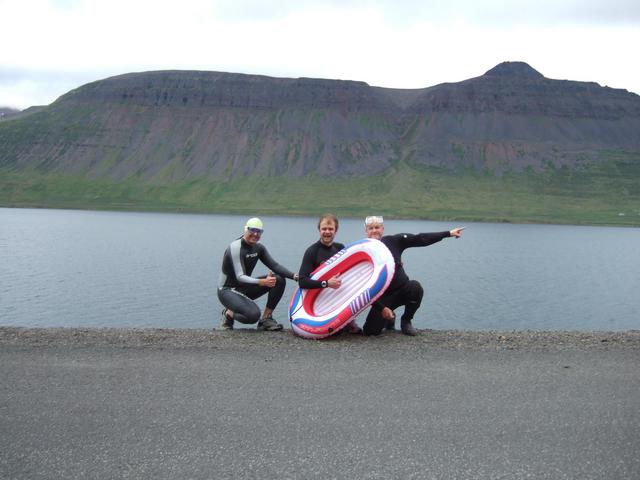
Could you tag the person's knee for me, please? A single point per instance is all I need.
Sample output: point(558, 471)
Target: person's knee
point(374, 323)
point(249, 316)
point(279, 279)
point(415, 290)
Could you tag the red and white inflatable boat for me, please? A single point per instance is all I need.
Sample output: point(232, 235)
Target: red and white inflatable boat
point(366, 268)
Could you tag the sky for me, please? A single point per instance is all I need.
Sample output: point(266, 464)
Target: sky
point(49, 47)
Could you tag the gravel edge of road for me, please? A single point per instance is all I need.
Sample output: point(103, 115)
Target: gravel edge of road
point(246, 338)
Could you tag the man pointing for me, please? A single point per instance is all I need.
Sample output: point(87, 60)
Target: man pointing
point(401, 291)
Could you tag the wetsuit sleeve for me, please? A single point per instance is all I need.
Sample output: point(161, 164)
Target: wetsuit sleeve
point(268, 260)
point(408, 240)
point(308, 266)
point(398, 243)
point(236, 262)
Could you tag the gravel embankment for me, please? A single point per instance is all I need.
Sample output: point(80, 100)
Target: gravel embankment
point(446, 339)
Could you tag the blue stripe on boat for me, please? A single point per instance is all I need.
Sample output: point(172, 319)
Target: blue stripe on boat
point(312, 323)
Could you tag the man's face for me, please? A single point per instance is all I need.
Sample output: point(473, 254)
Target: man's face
point(252, 235)
point(374, 230)
point(327, 232)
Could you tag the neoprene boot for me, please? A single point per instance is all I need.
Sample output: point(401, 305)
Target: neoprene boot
point(269, 324)
point(226, 323)
point(407, 328)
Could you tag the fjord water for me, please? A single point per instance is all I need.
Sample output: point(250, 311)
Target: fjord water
point(62, 268)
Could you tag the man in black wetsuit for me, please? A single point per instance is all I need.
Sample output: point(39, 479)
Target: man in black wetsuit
point(317, 253)
point(401, 290)
point(237, 288)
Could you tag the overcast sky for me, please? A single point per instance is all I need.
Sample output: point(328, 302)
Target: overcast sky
point(49, 47)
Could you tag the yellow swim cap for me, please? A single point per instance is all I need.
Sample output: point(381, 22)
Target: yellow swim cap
point(254, 222)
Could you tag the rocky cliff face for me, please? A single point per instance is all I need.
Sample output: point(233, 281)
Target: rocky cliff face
point(164, 126)
point(216, 89)
point(517, 89)
point(512, 118)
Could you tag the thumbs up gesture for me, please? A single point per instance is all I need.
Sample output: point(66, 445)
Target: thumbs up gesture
point(334, 282)
point(270, 281)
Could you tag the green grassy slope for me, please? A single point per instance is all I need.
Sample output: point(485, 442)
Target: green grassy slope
point(604, 195)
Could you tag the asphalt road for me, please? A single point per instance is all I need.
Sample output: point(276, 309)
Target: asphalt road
point(270, 406)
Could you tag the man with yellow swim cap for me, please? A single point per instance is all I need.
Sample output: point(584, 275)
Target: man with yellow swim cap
point(237, 288)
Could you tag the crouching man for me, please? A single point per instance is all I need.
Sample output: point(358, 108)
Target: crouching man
point(237, 288)
point(401, 290)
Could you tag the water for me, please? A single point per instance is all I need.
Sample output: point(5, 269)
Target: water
point(62, 268)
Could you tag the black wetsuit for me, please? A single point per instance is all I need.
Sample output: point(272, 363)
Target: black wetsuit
point(401, 291)
point(237, 288)
point(313, 257)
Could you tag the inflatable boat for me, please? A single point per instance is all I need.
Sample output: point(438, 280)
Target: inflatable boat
point(366, 268)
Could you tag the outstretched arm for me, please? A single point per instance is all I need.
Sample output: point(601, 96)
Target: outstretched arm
point(275, 266)
point(425, 239)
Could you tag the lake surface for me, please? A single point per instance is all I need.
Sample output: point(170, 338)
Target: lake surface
point(62, 268)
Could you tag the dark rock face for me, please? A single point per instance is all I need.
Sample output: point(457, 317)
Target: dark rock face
point(217, 89)
point(180, 124)
point(526, 92)
point(514, 69)
point(513, 118)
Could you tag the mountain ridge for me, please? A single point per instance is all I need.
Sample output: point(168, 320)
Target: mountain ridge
point(216, 123)
point(175, 127)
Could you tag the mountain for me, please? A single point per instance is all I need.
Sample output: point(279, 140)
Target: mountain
point(513, 118)
point(7, 112)
point(170, 128)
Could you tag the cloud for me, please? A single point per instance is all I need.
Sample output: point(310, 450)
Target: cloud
point(478, 12)
point(392, 43)
point(22, 88)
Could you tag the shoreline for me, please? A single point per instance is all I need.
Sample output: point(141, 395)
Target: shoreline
point(246, 337)
point(249, 212)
